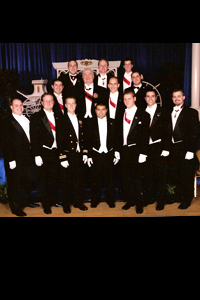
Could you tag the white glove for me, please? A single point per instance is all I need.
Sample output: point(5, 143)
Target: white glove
point(38, 161)
point(189, 155)
point(117, 157)
point(142, 158)
point(65, 164)
point(12, 165)
point(85, 159)
point(165, 153)
point(90, 162)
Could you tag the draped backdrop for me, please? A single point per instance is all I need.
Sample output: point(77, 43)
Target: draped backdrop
point(34, 60)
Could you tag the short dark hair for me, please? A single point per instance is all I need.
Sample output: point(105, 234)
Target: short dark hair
point(57, 79)
point(127, 59)
point(178, 90)
point(129, 91)
point(72, 60)
point(11, 103)
point(151, 90)
point(47, 94)
point(114, 78)
point(102, 103)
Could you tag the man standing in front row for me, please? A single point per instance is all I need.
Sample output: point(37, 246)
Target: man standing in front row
point(185, 134)
point(19, 162)
point(72, 158)
point(133, 134)
point(44, 143)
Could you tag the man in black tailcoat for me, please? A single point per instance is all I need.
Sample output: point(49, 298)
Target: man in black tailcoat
point(18, 159)
point(185, 134)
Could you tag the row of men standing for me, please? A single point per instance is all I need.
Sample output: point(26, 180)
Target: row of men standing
point(109, 127)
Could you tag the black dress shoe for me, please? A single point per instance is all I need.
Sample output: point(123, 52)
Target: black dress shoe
point(160, 206)
point(139, 209)
point(19, 213)
point(111, 205)
point(33, 205)
point(126, 206)
point(66, 209)
point(81, 206)
point(47, 210)
point(93, 205)
point(59, 204)
point(183, 206)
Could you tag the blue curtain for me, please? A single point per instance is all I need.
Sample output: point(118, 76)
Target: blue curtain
point(34, 60)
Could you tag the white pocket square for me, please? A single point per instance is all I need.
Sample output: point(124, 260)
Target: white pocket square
point(140, 122)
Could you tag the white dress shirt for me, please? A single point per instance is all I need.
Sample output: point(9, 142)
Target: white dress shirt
point(128, 77)
point(102, 124)
point(50, 117)
point(60, 101)
point(136, 89)
point(151, 111)
point(74, 121)
point(102, 80)
point(73, 81)
point(114, 99)
point(126, 127)
point(88, 102)
point(25, 124)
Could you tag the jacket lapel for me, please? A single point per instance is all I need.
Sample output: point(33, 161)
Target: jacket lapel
point(135, 120)
point(19, 128)
point(46, 122)
point(156, 116)
point(180, 118)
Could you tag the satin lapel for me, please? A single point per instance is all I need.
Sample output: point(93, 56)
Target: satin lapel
point(156, 116)
point(19, 128)
point(71, 126)
point(96, 127)
point(46, 122)
point(135, 120)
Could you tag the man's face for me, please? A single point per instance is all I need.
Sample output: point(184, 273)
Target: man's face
point(150, 98)
point(178, 98)
point(136, 78)
point(88, 77)
point(71, 105)
point(17, 107)
point(101, 111)
point(129, 100)
point(103, 67)
point(113, 85)
point(48, 103)
point(58, 87)
point(72, 67)
point(128, 66)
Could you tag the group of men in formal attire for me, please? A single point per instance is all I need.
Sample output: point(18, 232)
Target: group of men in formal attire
point(100, 131)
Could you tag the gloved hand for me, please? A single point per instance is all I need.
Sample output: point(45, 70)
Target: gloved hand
point(189, 155)
point(85, 158)
point(12, 165)
point(65, 164)
point(90, 162)
point(38, 161)
point(164, 153)
point(117, 157)
point(142, 158)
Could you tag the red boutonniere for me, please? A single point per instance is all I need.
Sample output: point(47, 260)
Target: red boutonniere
point(96, 95)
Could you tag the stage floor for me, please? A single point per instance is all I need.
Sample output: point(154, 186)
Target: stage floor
point(103, 210)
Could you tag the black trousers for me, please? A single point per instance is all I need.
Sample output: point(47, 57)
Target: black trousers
point(181, 173)
point(133, 174)
point(20, 182)
point(102, 174)
point(155, 184)
point(72, 180)
point(49, 177)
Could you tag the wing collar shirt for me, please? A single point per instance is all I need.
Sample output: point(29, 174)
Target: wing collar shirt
point(130, 113)
point(112, 109)
point(151, 111)
point(24, 122)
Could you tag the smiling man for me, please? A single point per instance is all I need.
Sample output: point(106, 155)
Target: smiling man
point(185, 133)
point(19, 162)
